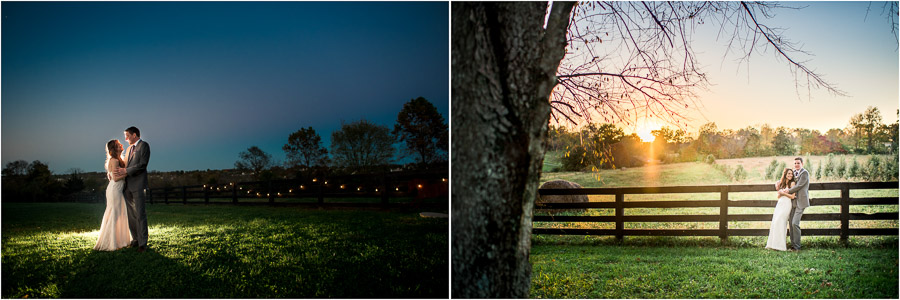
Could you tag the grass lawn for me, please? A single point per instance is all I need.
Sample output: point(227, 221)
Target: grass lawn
point(705, 268)
point(199, 251)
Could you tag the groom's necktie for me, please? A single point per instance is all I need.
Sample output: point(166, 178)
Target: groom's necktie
point(131, 152)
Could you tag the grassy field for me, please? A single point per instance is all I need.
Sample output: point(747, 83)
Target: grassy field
point(706, 267)
point(199, 251)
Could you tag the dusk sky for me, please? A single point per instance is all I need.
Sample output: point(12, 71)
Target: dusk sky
point(854, 51)
point(204, 81)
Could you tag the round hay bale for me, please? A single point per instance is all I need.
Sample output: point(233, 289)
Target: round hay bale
point(561, 184)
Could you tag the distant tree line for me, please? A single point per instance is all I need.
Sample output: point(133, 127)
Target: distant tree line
point(358, 147)
point(33, 182)
point(605, 146)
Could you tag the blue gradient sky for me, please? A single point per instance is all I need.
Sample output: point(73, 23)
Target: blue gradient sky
point(204, 81)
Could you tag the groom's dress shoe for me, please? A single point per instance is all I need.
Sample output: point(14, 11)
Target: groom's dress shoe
point(142, 248)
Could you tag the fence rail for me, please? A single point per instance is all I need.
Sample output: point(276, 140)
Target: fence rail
point(383, 187)
point(723, 203)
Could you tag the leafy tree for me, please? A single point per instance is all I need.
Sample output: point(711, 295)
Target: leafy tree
point(255, 160)
point(865, 124)
point(15, 168)
point(782, 142)
point(362, 145)
point(304, 149)
point(423, 129)
point(669, 135)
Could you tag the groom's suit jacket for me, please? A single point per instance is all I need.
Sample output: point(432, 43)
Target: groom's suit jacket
point(136, 181)
point(802, 189)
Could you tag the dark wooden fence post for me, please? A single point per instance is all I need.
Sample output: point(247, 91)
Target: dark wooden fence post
point(166, 194)
point(205, 194)
point(150, 195)
point(271, 192)
point(386, 189)
point(234, 193)
point(620, 214)
point(845, 211)
point(723, 214)
point(183, 194)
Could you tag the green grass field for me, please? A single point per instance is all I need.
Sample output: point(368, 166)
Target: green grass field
point(705, 267)
point(225, 251)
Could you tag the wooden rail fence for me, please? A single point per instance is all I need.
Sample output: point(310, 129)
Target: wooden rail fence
point(275, 192)
point(724, 203)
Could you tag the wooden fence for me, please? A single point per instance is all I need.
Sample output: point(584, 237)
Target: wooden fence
point(383, 187)
point(724, 203)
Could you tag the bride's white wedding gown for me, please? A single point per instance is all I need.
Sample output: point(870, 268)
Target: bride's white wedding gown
point(778, 229)
point(114, 232)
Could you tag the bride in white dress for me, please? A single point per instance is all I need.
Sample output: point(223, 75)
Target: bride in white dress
point(778, 229)
point(114, 232)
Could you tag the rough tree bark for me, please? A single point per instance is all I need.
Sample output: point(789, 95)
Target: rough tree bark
point(503, 70)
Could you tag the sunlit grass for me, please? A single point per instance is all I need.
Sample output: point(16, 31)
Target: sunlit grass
point(227, 251)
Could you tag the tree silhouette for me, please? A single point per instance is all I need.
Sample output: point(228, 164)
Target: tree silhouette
point(362, 145)
point(254, 159)
point(304, 148)
point(423, 130)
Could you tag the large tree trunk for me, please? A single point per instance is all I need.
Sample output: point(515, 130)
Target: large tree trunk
point(503, 69)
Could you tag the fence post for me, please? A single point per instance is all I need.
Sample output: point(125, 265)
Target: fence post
point(234, 193)
point(845, 211)
point(150, 195)
point(385, 189)
point(166, 194)
point(184, 194)
point(271, 193)
point(723, 214)
point(620, 213)
point(205, 194)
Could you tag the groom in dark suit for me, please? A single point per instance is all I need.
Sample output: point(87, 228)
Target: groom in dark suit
point(800, 203)
point(137, 157)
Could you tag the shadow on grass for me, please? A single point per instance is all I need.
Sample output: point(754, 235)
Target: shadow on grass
point(128, 274)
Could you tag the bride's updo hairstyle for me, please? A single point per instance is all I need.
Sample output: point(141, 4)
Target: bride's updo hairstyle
point(112, 151)
point(784, 182)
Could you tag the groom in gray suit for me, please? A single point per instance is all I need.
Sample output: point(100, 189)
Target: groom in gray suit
point(137, 157)
point(800, 203)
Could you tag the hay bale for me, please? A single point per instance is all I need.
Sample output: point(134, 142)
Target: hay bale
point(561, 184)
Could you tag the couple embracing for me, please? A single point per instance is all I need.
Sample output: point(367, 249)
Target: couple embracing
point(793, 193)
point(125, 219)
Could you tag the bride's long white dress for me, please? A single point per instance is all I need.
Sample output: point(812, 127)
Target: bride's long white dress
point(778, 229)
point(114, 232)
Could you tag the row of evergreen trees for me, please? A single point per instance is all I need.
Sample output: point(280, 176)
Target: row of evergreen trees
point(840, 168)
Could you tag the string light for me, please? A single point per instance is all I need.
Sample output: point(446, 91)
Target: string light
point(314, 180)
point(420, 186)
point(342, 186)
